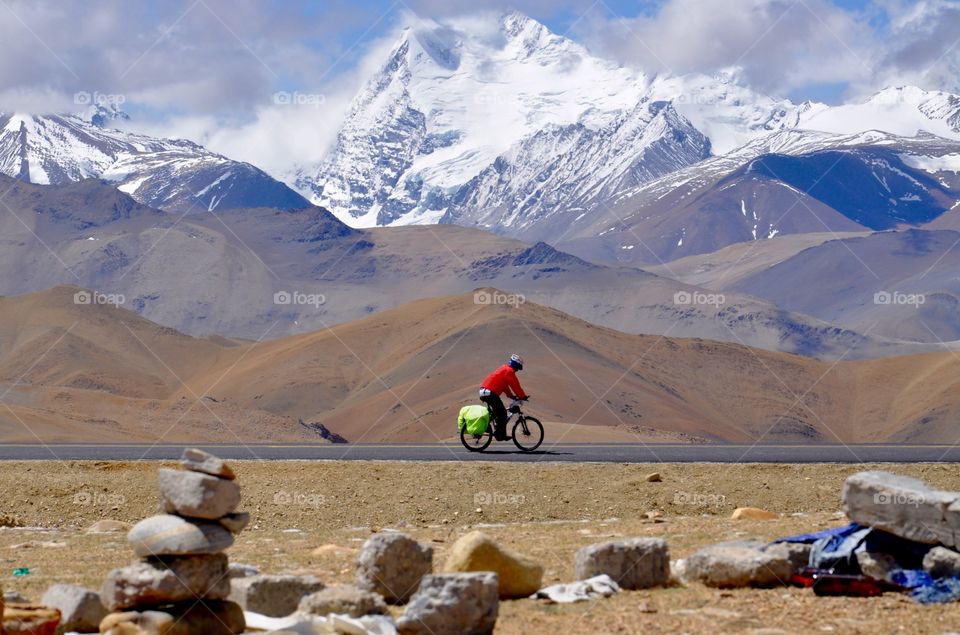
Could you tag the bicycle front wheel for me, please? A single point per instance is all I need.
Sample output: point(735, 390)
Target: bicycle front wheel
point(528, 434)
point(476, 443)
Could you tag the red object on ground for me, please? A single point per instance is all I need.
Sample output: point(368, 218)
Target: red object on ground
point(502, 380)
point(850, 585)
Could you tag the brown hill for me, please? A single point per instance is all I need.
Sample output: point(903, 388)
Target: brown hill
point(222, 273)
point(73, 372)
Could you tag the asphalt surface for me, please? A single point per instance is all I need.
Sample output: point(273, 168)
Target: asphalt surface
point(580, 453)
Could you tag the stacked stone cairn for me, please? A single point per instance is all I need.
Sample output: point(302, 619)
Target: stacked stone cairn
point(181, 582)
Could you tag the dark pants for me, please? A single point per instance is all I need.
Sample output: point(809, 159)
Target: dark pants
point(499, 415)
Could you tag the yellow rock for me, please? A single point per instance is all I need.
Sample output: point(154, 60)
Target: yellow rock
point(752, 513)
point(654, 478)
point(519, 576)
point(332, 550)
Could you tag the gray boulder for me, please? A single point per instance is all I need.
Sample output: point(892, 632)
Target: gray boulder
point(80, 609)
point(169, 535)
point(903, 506)
point(639, 563)
point(393, 564)
point(272, 595)
point(155, 581)
point(344, 600)
point(452, 604)
point(737, 564)
point(197, 495)
point(941, 562)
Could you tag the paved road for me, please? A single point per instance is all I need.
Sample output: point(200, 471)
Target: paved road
point(605, 453)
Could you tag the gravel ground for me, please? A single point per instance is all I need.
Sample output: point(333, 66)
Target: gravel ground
point(312, 517)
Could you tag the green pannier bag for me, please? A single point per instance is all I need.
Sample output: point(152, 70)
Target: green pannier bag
point(475, 419)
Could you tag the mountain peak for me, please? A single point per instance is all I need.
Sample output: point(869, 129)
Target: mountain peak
point(102, 115)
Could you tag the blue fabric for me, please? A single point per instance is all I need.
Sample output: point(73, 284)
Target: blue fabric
point(911, 578)
point(817, 535)
point(937, 591)
point(835, 552)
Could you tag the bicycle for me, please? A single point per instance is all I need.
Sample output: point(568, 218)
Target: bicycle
point(527, 431)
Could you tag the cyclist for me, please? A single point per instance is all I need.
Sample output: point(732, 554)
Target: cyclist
point(502, 380)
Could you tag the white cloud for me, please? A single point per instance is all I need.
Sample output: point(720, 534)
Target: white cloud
point(779, 44)
point(784, 46)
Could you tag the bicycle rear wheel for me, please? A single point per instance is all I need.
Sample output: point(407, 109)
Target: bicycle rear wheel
point(528, 433)
point(476, 443)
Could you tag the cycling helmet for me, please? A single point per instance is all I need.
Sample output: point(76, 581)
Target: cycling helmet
point(516, 362)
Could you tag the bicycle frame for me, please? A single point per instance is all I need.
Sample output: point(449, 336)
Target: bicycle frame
point(513, 409)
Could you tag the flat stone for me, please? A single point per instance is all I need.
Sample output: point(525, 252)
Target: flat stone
point(903, 506)
point(518, 576)
point(30, 619)
point(737, 564)
point(169, 535)
point(235, 522)
point(208, 617)
point(171, 579)
point(654, 477)
point(343, 600)
point(752, 513)
point(941, 562)
point(108, 526)
point(80, 609)
point(196, 460)
point(273, 595)
point(452, 604)
point(393, 564)
point(197, 495)
point(639, 563)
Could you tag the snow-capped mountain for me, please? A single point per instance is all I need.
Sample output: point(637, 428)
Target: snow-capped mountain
point(572, 169)
point(432, 133)
point(170, 174)
point(789, 182)
point(505, 125)
point(448, 101)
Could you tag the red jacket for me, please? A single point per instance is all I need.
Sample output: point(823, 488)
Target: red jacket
point(504, 379)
